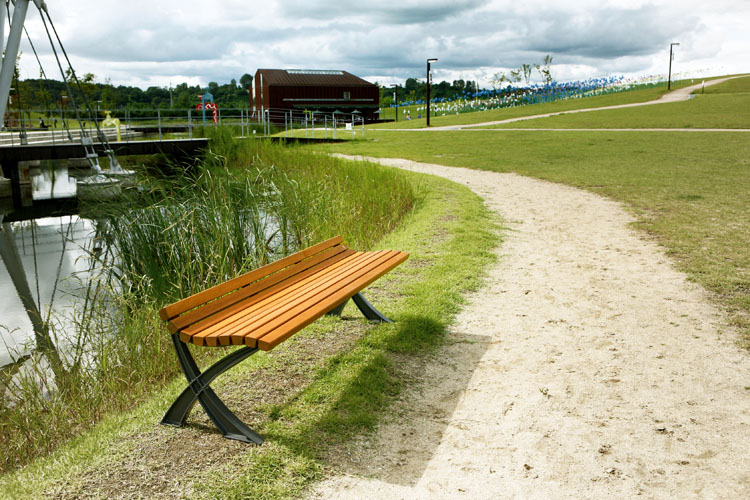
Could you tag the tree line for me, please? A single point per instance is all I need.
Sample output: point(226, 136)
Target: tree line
point(37, 93)
point(414, 90)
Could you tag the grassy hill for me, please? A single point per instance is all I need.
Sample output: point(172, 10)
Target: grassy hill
point(726, 105)
point(689, 189)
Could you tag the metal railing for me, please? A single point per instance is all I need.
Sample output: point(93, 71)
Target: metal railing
point(314, 124)
point(56, 127)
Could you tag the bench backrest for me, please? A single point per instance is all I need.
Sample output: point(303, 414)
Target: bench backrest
point(216, 302)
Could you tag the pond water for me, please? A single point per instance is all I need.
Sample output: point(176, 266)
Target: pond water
point(48, 183)
point(53, 259)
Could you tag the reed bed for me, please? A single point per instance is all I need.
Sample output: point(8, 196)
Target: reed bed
point(245, 203)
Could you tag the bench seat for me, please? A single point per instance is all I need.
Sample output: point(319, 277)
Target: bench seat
point(263, 308)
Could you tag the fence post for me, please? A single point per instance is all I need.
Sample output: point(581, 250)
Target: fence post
point(190, 123)
point(158, 117)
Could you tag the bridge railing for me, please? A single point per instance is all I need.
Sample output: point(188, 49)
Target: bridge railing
point(55, 126)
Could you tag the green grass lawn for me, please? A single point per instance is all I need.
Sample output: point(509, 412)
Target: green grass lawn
point(726, 105)
point(626, 97)
point(734, 86)
point(690, 190)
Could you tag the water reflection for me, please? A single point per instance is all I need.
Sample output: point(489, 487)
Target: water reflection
point(51, 254)
point(51, 182)
point(53, 257)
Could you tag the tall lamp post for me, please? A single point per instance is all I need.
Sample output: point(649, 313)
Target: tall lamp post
point(395, 97)
point(428, 89)
point(669, 78)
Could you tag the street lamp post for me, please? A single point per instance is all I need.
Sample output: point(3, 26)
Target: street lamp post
point(669, 78)
point(395, 98)
point(428, 89)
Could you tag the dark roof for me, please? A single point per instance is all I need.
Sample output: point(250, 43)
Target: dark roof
point(311, 77)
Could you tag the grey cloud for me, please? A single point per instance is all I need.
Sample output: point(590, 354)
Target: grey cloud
point(608, 33)
point(400, 13)
point(381, 38)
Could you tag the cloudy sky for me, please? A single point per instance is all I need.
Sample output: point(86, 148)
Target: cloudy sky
point(163, 42)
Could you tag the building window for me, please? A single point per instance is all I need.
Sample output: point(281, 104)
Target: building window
point(347, 96)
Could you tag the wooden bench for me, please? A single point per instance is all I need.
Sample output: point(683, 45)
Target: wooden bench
point(261, 309)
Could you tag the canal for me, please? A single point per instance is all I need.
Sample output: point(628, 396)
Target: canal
point(52, 255)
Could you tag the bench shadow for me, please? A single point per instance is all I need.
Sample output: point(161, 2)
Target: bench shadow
point(433, 367)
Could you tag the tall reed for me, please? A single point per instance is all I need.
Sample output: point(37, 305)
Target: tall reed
point(243, 204)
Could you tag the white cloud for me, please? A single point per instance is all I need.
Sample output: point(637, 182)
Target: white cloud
point(143, 43)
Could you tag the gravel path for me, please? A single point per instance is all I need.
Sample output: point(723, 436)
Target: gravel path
point(587, 367)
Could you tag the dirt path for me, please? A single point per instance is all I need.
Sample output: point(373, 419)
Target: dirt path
point(587, 367)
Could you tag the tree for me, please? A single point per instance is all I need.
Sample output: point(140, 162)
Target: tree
point(414, 89)
point(246, 80)
point(386, 96)
point(411, 84)
point(497, 80)
point(526, 68)
point(544, 69)
point(108, 95)
point(442, 89)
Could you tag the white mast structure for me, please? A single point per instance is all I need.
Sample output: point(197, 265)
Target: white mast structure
point(6, 76)
point(12, 46)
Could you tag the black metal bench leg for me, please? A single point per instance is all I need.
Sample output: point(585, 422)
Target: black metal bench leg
point(368, 309)
point(338, 310)
point(199, 390)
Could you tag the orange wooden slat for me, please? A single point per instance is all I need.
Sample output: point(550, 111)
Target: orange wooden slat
point(321, 291)
point(317, 294)
point(262, 299)
point(247, 319)
point(271, 300)
point(261, 323)
point(205, 329)
point(179, 307)
point(300, 319)
point(284, 300)
point(226, 304)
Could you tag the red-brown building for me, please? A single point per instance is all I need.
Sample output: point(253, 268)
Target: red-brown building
point(300, 90)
